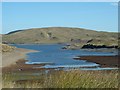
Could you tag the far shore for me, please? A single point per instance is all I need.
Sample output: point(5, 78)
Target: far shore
point(104, 61)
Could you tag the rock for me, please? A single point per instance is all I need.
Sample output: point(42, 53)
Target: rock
point(90, 46)
point(64, 47)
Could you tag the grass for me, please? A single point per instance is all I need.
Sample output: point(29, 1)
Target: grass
point(59, 35)
point(6, 48)
point(62, 79)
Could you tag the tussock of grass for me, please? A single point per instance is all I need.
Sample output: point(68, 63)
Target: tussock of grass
point(61, 79)
point(6, 48)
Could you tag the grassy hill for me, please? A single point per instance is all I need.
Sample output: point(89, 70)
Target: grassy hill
point(61, 35)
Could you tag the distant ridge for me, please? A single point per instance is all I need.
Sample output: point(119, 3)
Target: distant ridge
point(60, 35)
point(13, 32)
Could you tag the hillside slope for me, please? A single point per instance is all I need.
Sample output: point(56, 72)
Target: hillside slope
point(60, 35)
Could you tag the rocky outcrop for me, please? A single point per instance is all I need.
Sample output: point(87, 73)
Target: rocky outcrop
point(90, 46)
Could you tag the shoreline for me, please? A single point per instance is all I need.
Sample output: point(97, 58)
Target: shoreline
point(15, 61)
point(20, 66)
point(10, 58)
point(103, 61)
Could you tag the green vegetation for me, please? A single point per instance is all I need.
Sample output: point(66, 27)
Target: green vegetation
point(62, 79)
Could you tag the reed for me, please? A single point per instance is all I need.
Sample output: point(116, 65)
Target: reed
point(62, 79)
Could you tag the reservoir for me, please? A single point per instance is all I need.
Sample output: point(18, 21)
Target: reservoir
point(53, 56)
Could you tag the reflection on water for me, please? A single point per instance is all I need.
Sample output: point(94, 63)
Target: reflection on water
point(55, 57)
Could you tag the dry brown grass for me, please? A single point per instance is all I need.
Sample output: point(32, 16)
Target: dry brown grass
point(7, 48)
point(62, 79)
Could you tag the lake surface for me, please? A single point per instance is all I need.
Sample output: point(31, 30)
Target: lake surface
point(54, 57)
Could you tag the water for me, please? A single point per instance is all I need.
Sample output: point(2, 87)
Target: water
point(54, 57)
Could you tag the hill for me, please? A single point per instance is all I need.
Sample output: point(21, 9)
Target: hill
point(76, 36)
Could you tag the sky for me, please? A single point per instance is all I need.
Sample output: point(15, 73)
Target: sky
point(100, 16)
point(60, 0)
